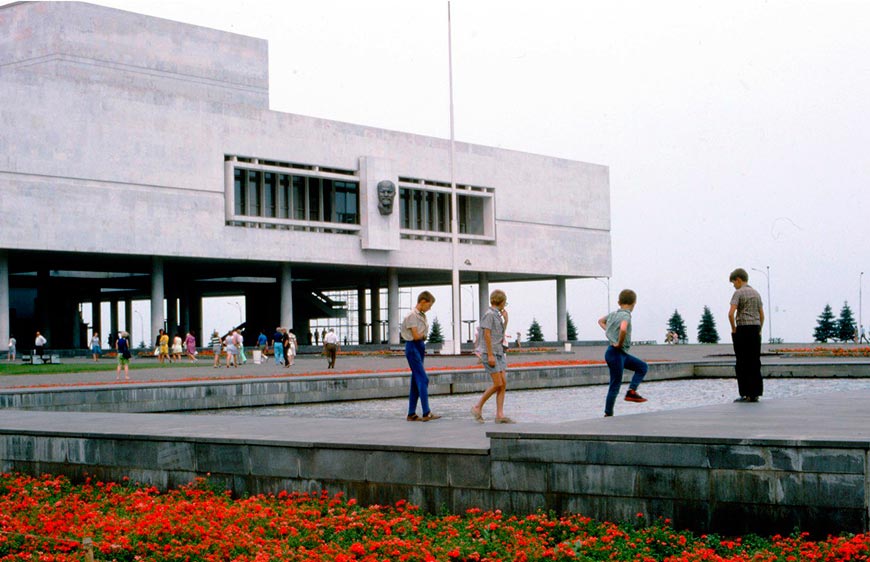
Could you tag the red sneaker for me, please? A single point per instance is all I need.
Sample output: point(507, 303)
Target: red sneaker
point(633, 396)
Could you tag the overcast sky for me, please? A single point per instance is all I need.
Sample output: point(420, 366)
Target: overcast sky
point(736, 132)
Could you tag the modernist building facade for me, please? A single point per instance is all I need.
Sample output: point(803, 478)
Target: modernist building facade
point(139, 159)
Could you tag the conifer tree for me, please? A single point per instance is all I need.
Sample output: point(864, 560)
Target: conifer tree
point(435, 334)
point(707, 328)
point(572, 329)
point(846, 324)
point(826, 328)
point(676, 325)
point(535, 333)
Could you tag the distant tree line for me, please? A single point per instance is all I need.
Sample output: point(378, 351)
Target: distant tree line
point(828, 327)
point(534, 334)
point(707, 332)
point(840, 329)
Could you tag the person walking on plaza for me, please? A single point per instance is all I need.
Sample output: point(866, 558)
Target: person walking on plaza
point(278, 346)
point(190, 346)
point(96, 350)
point(122, 346)
point(290, 348)
point(163, 346)
point(492, 354)
point(216, 346)
point(39, 344)
point(232, 350)
point(414, 330)
point(240, 344)
point(330, 347)
point(617, 326)
point(177, 344)
point(746, 316)
point(10, 356)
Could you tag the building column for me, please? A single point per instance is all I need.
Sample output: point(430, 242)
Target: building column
point(128, 320)
point(361, 314)
point(561, 310)
point(79, 329)
point(41, 306)
point(113, 322)
point(171, 314)
point(196, 319)
point(286, 318)
point(184, 309)
point(4, 301)
point(191, 312)
point(393, 305)
point(97, 314)
point(375, 289)
point(483, 293)
point(156, 296)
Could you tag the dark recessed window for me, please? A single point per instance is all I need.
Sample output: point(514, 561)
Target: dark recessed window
point(274, 195)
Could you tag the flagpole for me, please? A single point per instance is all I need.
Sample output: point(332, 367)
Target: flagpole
point(454, 213)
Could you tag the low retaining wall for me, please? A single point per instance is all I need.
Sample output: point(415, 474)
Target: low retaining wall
point(820, 369)
point(213, 395)
point(434, 466)
point(730, 486)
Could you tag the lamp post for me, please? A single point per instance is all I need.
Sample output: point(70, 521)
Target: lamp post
point(769, 304)
point(471, 291)
point(470, 324)
point(471, 316)
point(141, 329)
point(606, 283)
point(237, 305)
point(860, 303)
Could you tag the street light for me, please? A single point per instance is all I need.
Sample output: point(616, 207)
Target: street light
point(471, 290)
point(237, 305)
point(606, 284)
point(141, 329)
point(860, 287)
point(470, 324)
point(769, 304)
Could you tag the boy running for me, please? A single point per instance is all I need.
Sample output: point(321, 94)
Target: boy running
point(617, 326)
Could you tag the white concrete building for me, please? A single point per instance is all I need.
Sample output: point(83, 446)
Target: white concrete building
point(139, 159)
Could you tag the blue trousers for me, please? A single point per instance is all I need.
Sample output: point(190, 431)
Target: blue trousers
point(415, 352)
point(617, 362)
point(278, 349)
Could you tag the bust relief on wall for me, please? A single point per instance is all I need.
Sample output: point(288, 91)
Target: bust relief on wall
point(386, 196)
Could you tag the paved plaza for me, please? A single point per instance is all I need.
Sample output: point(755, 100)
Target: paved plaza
point(314, 364)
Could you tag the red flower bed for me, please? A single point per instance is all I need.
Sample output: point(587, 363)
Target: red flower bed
point(826, 351)
point(46, 518)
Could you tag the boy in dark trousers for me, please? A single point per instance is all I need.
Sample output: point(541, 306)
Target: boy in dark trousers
point(746, 316)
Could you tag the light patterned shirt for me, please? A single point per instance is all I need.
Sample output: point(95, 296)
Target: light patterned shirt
point(748, 303)
point(493, 321)
point(416, 320)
